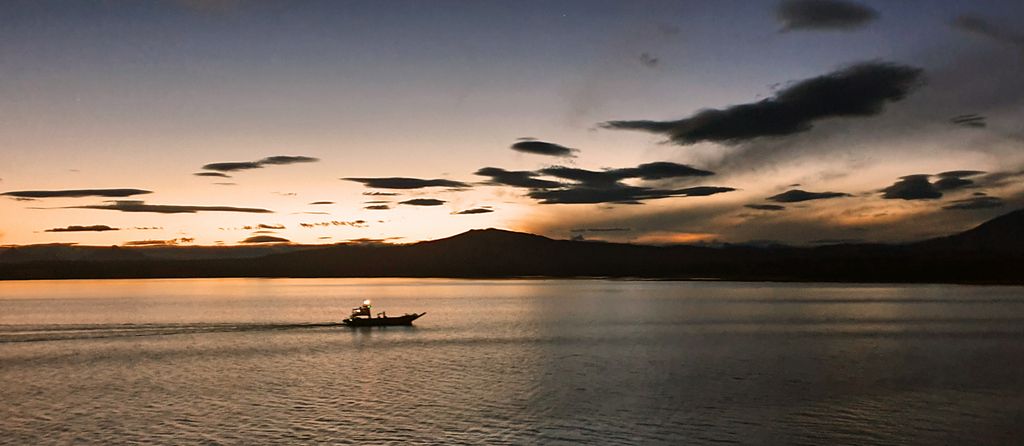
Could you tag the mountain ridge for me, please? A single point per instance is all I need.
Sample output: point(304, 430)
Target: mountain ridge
point(992, 252)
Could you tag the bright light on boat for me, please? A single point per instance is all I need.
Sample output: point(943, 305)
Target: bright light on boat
point(366, 302)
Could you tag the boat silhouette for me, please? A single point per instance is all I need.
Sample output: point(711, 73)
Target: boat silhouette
point(362, 317)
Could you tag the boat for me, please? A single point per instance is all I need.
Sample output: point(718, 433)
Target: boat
point(362, 317)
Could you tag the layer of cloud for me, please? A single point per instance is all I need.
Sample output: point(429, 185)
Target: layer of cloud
point(353, 224)
point(474, 211)
point(969, 120)
point(141, 206)
point(423, 202)
point(982, 27)
point(600, 230)
point(321, 202)
point(798, 195)
point(973, 203)
point(212, 174)
point(268, 161)
point(256, 239)
point(405, 183)
point(377, 207)
point(920, 186)
point(517, 178)
point(544, 148)
point(76, 193)
point(823, 15)
point(91, 228)
point(765, 207)
point(618, 193)
point(171, 242)
point(858, 90)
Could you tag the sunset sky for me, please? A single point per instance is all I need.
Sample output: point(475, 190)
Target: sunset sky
point(217, 122)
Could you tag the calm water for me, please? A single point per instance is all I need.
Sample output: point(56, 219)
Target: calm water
point(252, 361)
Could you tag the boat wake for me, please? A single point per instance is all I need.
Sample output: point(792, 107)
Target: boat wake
point(41, 333)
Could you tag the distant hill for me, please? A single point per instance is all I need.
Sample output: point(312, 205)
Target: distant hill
point(1001, 234)
point(989, 253)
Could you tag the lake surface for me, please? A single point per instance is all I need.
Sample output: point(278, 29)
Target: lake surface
point(257, 361)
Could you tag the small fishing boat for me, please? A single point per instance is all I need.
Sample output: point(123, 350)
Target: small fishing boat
point(362, 317)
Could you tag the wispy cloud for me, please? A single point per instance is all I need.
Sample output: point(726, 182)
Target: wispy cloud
point(474, 211)
point(859, 90)
point(797, 195)
point(141, 206)
point(235, 166)
point(257, 239)
point(91, 228)
point(423, 202)
point(405, 183)
point(823, 15)
point(76, 193)
point(529, 145)
point(983, 27)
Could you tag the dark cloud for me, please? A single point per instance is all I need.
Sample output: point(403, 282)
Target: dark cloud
point(974, 203)
point(141, 206)
point(600, 230)
point(618, 193)
point(377, 207)
point(264, 239)
point(823, 15)
point(648, 60)
point(406, 183)
point(970, 120)
point(268, 161)
point(797, 195)
point(423, 202)
point(544, 148)
point(212, 174)
point(858, 90)
point(920, 187)
point(661, 170)
point(766, 207)
point(650, 171)
point(982, 27)
point(474, 211)
point(590, 186)
point(518, 178)
point(76, 193)
point(75, 228)
point(381, 194)
point(233, 166)
point(353, 224)
point(265, 226)
point(171, 242)
point(912, 187)
point(286, 159)
point(371, 241)
point(321, 202)
point(955, 179)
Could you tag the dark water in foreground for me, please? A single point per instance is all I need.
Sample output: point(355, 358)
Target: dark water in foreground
point(251, 361)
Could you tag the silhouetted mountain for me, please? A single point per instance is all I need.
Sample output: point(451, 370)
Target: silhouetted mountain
point(1002, 234)
point(990, 253)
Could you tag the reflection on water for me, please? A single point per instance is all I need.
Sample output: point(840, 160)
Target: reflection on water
point(251, 361)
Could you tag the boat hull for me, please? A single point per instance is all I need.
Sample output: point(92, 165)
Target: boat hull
point(382, 321)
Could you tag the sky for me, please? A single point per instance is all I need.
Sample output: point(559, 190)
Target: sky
point(239, 122)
